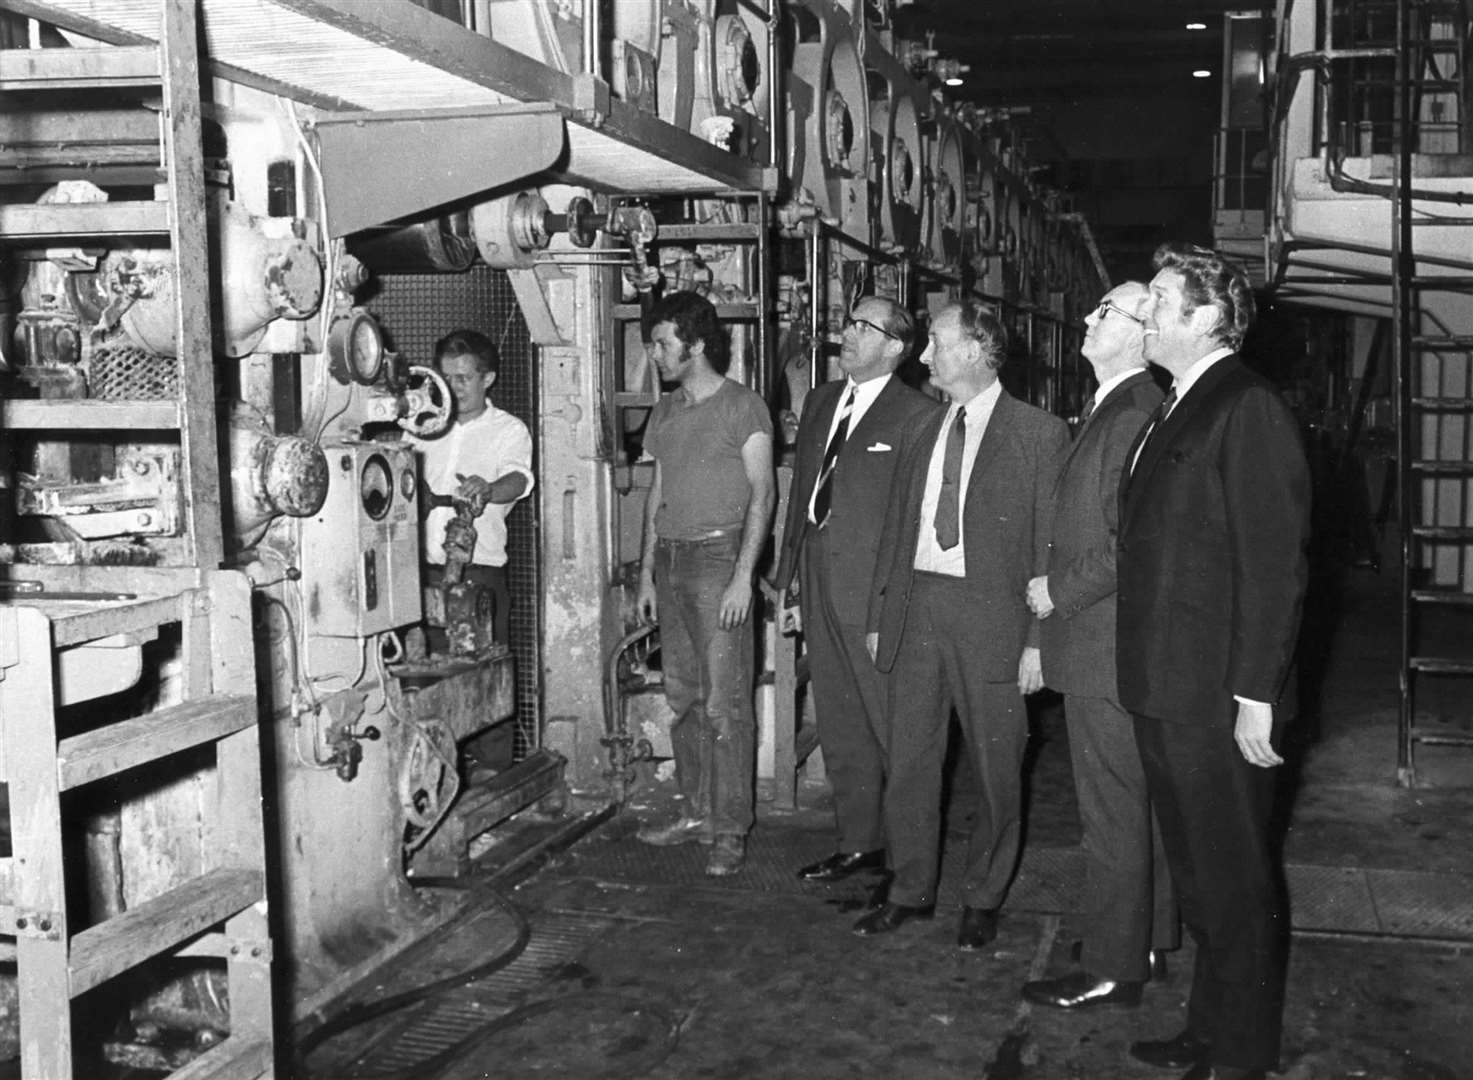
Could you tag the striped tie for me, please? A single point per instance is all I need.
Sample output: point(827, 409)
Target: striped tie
point(823, 494)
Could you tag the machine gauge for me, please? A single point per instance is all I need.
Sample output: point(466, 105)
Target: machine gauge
point(355, 348)
point(407, 484)
point(376, 487)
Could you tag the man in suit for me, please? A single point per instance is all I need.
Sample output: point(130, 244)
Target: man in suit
point(848, 442)
point(1127, 893)
point(1214, 521)
point(948, 618)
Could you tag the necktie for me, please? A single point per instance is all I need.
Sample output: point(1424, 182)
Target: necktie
point(823, 494)
point(948, 509)
point(1156, 418)
point(1088, 410)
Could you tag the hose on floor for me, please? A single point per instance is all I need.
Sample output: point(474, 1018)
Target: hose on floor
point(440, 1066)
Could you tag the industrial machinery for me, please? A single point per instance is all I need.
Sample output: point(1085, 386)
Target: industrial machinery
point(238, 398)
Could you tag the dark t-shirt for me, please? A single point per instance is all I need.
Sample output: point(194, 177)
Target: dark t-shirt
point(703, 481)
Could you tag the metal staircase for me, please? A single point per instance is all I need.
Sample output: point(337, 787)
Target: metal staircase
point(66, 628)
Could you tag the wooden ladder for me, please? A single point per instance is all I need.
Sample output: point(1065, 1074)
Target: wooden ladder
point(56, 961)
point(222, 912)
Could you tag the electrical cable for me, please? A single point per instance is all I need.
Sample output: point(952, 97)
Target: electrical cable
point(437, 1065)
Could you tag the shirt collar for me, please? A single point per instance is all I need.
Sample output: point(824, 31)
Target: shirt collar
point(1189, 377)
point(1112, 382)
point(983, 403)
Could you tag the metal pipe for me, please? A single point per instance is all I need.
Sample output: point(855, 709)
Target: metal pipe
point(766, 350)
point(815, 337)
point(775, 86)
point(858, 245)
point(592, 37)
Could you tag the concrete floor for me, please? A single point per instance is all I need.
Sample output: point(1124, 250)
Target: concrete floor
point(638, 965)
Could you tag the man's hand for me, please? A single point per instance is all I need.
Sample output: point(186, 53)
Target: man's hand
point(1030, 671)
point(736, 601)
point(1039, 601)
point(872, 644)
point(1255, 724)
point(475, 490)
point(645, 604)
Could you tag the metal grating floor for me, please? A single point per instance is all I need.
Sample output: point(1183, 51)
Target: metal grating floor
point(404, 1041)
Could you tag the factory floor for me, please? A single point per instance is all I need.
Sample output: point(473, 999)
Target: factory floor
point(634, 964)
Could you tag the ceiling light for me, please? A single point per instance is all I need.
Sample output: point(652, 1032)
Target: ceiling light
point(953, 81)
point(1201, 73)
point(1196, 26)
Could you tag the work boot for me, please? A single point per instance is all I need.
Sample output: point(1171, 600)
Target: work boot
point(727, 855)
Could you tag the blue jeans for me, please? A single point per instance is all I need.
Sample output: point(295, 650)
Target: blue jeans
point(708, 681)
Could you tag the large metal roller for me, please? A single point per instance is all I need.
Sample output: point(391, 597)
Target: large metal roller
point(947, 202)
point(828, 124)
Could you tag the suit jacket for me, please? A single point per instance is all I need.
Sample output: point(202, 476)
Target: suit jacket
point(1078, 639)
point(1211, 563)
point(861, 488)
point(1004, 527)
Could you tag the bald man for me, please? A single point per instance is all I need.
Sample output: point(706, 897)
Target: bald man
point(1127, 906)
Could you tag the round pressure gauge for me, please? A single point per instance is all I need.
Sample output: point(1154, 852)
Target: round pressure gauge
point(355, 347)
point(376, 487)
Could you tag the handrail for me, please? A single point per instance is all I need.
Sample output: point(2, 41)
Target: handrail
point(1330, 152)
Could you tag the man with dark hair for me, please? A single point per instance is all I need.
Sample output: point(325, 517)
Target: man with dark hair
point(948, 618)
point(849, 440)
point(1214, 521)
point(710, 504)
point(1127, 904)
point(485, 457)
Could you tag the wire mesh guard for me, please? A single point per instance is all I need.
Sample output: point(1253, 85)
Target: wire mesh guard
point(118, 371)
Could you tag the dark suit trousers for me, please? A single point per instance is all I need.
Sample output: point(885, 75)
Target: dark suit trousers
point(1128, 906)
point(1214, 808)
point(935, 671)
point(848, 697)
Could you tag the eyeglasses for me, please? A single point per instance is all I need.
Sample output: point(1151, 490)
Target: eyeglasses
point(1107, 306)
point(876, 327)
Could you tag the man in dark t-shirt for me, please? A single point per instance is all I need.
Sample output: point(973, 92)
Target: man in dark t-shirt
point(706, 521)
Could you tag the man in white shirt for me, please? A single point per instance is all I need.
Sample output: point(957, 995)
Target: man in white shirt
point(965, 531)
point(485, 457)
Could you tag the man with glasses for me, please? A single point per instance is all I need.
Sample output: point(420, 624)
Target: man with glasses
point(1127, 903)
point(964, 533)
point(849, 438)
point(1214, 521)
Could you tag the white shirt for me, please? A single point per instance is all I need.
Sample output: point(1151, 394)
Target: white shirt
point(929, 555)
point(1180, 386)
point(493, 445)
point(1189, 377)
point(865, 394)
point(1113, 381)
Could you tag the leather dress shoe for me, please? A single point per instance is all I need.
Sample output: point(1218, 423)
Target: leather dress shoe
point(1174, 1053)
point(1206, 1071)
point(888, 917)
point(978, 927)
point(1079, 990)
point(841, 864)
